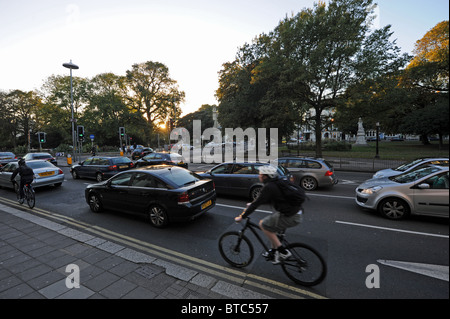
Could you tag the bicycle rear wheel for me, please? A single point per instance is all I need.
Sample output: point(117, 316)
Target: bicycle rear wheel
point(236, 249)
point(31, 200)
point(306, 266)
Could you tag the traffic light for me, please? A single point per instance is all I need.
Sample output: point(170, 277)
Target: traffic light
point(80, 132)
point(122, 132)
point(42, 137)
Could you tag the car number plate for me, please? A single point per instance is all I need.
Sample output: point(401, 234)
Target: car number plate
point(123, 166)
point(208, 203)
point(46, 174)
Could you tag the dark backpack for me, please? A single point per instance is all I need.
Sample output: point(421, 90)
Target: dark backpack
point(294, 194)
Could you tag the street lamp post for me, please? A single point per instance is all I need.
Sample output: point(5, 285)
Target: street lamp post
point(378, 137)
point(72, 66)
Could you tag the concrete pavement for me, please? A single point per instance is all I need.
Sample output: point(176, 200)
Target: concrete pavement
point(43, 259)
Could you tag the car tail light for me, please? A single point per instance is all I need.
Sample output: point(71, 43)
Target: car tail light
point(131, 165)
point(183, 198)
point(60, 172)
point(112, 167)
point(329, 173)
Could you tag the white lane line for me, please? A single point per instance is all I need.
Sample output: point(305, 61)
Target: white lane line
point(331, 196)
point(393, 229)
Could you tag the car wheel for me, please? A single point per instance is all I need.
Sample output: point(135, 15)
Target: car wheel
point(254, 193)
point(158, 216)
point(99, 177)
point(393, 208)
point(308, 183)
point(95, 204)
point(75, 175)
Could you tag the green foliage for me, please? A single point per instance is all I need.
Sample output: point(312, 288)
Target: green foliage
point(139, 101)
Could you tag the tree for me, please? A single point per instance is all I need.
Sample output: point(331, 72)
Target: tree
point(19, 115)
point(153, 94)
point(55, 113)
point(429, 69)
point(308, 62)
point(427, 76)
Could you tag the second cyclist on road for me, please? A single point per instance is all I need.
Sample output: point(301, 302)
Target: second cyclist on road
point(26, 175)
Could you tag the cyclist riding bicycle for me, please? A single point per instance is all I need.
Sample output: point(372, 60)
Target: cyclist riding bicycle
point(26, 175)
point(285, 215)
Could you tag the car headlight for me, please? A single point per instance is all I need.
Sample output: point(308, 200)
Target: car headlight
point(371, 190)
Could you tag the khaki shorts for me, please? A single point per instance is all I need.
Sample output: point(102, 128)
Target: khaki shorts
point(277, 222)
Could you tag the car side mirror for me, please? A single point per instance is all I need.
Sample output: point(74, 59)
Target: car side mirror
point(424, 186)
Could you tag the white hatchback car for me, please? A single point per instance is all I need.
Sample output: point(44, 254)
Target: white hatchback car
point(424, 191)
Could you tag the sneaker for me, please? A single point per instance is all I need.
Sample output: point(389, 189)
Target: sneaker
point(279, 257)
point(269, 255)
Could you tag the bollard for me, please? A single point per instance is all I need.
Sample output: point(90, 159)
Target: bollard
point(69, 159)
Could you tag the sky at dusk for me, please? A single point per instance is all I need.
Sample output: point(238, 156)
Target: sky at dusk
point(192, 38)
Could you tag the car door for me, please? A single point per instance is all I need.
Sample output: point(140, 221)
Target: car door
point(145, 189)
point(221, 177)
point(434, 198)
point(115, 193)
point(5, 174)
point(242, 178)
point(296, 167)
point(83, 169)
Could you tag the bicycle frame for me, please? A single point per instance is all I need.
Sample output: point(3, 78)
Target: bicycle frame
point(250, 225)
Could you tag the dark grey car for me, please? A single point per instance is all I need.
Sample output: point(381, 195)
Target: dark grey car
point(310, 173)
point(239, 178)
point(101, 167)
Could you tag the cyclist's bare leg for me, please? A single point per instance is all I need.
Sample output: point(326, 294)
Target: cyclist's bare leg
point(275, 242)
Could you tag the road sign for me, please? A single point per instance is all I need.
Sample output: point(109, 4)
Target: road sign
point(91, 136)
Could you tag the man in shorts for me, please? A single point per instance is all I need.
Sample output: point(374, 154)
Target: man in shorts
point(285, 215)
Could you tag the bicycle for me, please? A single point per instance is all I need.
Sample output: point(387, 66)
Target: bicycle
point(305, 267)
point(28, 192)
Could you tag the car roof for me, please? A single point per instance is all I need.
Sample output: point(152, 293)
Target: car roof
point(158, 168)
point(302, 157)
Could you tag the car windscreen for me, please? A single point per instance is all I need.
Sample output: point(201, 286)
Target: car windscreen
point(405, 167)
point(180, 177)
point(41, 156)
point(414, 175)
point(35, 165)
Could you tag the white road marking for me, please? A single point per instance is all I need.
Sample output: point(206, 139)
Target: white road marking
point(435, 271)
point(393, 229)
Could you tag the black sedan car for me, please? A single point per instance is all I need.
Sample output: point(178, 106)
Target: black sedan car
point(140, 152)
point(101, 167)
point(162, 158)
point(162, 193)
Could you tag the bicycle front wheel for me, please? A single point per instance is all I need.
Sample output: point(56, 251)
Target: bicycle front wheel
point(31, 200)
point(306, 266)
point(236, 249)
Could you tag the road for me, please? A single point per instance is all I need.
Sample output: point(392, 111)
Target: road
point(363, 250)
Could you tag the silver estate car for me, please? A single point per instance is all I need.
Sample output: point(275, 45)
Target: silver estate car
point(407, 167)
point(309, 172)
point(424, 191)
point(45, 173)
